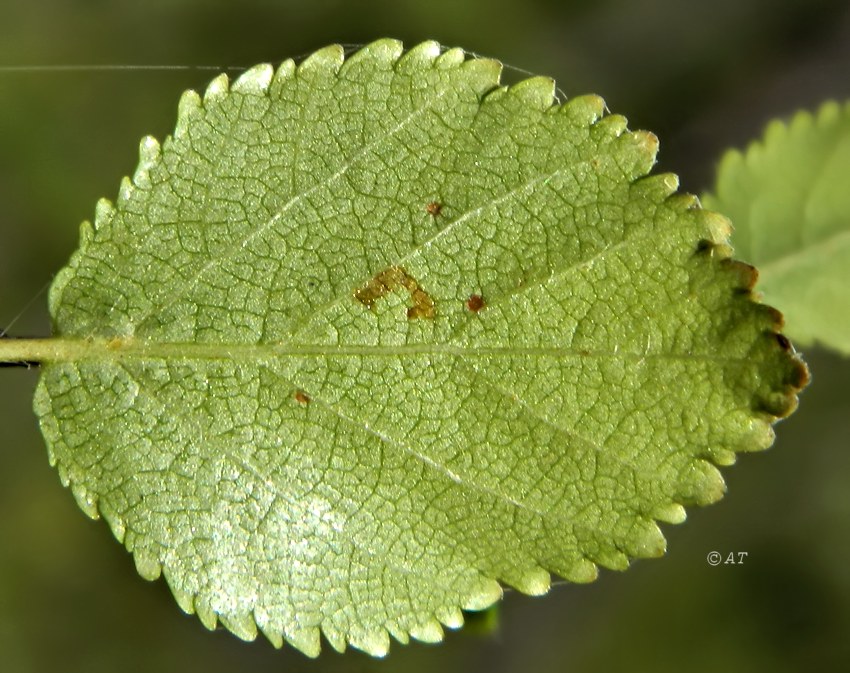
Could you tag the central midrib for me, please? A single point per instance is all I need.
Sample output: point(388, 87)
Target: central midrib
point(63, 349)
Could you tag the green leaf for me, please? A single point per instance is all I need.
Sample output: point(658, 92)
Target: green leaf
point(367, 339)
point(789, 199)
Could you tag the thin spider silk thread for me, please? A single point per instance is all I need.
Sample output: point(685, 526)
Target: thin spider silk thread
point(348, 49)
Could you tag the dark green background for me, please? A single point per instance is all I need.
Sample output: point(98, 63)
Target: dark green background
point(703, 75)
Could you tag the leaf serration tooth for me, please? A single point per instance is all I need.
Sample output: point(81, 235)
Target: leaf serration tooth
point(386, 50)
point(147, 565)
point(451, 617)
point(243, 626)
point(582, 571)
point(188, 106)
point(272, 634)
point(86, 233)
point(672, 513)
point(489, 592)
point(612, 125)
point(184, 599)
point(284, 72)
point(255, 80)
point(585, 109)
point(306, 640)
point(205, 613)
point(125, 191)
point(428, 632)
point(536, 92)
point(422, 54)
point(149, 152)
point(534, 581)
point(104, 211)
point(336, 639)
point(451, 58)
point(217, 89)
point(376, 643)
point(330, 58)
point(85, 500)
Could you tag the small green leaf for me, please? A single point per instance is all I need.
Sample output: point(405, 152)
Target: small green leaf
point(368, 338)
point(788, 197)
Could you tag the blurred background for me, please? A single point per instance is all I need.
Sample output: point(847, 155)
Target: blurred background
point(702, 75)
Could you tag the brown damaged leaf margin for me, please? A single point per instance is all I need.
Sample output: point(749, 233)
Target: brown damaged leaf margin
point(781, 400)
point(397, 278)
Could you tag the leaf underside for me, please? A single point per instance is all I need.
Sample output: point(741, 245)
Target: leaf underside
point(788, 196)
point(367, 339)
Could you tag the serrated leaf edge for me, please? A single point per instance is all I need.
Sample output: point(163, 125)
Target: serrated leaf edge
point(538, 93)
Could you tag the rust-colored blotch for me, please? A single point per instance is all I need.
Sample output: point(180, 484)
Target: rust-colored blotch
point(301, 397)
point(475, 303)
point(391, 279)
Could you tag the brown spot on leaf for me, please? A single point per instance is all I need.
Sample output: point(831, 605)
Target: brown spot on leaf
point(434, 209)
point(705, 246)
point(475, 303)
point(783, 342)
point(396, 278)
point(301, 397)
